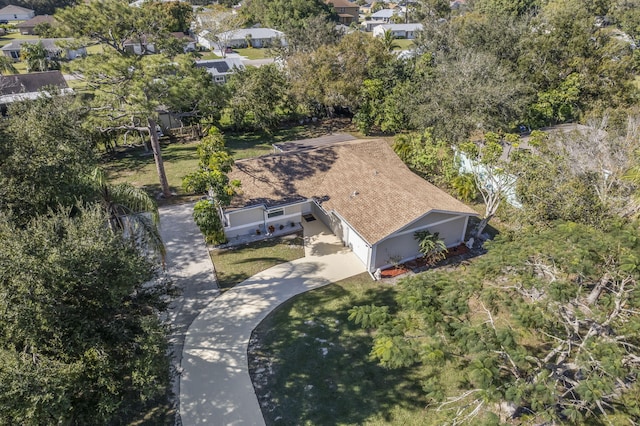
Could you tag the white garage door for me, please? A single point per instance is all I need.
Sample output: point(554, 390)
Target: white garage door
point(357, 245)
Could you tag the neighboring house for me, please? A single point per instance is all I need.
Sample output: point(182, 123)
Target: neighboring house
point(407, 31)
point(188, 42)
point(347, 11)
point(370, 25)
point(241, 38)
point(16, 13)
point(360, 189)
point(20, 87)
point(221, 69)
point(12, 49)
point(26, 27)
point(385, 15)
point(141, 45)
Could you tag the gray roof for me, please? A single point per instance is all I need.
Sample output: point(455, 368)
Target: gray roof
point(221, 66)
point(22, 87)
point(256, 33)
point(14, 9)
point(384, 13)
point(48, 43)
point(364, 181)
point(40, 19)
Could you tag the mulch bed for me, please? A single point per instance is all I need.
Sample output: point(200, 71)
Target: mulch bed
point(419, 264)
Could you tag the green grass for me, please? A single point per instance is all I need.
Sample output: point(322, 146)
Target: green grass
point(343, 386)
point(235, 265)
point(138, 168)
point(253, 53)
point(402, 44)
point(208, 55)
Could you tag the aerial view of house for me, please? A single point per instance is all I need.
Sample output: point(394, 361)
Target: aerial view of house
point(361, 190)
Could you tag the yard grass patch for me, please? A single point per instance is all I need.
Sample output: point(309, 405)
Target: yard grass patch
point(234, 265)
point(138, 167)
point(311, 365)
point(253, 53)
point(402, 44)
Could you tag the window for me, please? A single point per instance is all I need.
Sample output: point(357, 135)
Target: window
point(275, 213)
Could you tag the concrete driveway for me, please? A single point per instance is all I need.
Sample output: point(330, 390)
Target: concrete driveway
point(215, 386)
point(190, 268)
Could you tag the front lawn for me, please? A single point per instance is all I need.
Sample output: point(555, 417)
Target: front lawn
point(253, 53)
point(403, 44)
point(234, 265)
point(322, 373)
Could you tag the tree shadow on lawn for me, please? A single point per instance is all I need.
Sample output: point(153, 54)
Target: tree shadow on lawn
point(323, 373)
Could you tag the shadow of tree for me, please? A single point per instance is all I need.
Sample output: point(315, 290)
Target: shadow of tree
point(282, 175)
point(322, 371)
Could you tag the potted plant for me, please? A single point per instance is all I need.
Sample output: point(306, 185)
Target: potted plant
point(281, 227)
point(272, 229)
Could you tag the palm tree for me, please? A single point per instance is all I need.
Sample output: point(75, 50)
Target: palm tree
point(37, 57)
point(6, 65)
point(388, 40)
point(131, 211)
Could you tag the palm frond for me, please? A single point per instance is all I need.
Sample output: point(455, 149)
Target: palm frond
point(135, 200)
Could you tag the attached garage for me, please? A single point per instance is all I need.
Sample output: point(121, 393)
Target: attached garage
point(360, 189)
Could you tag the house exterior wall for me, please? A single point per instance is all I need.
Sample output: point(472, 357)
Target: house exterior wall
point(18, 16)
point(403, 246)
point(248, 220)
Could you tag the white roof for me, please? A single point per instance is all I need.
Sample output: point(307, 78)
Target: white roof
point(384, 13)
point(29, 96)
point(255, 33)
point(399, 27)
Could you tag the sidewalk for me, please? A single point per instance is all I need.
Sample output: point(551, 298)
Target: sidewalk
point(191, 269)
point(215, 386)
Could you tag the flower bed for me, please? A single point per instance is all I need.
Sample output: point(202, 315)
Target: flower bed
point(420, 264)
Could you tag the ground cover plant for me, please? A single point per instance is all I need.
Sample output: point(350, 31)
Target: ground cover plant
point(236, 264)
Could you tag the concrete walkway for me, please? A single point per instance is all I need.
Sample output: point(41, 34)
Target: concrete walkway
point(215, 385)
point(191, 270)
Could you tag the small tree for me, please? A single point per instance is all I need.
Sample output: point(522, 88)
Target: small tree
point(432, 247)
point(211, 178)
point(490, 174)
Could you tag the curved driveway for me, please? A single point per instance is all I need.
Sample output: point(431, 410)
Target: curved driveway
point(215, 387)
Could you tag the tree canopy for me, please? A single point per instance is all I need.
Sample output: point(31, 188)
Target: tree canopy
point(541, 328)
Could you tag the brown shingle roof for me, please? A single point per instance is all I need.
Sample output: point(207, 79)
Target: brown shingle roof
point(40, 19)
point(341, 3)
point(363, 181)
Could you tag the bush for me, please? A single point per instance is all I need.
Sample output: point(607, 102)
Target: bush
point(206, 217)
